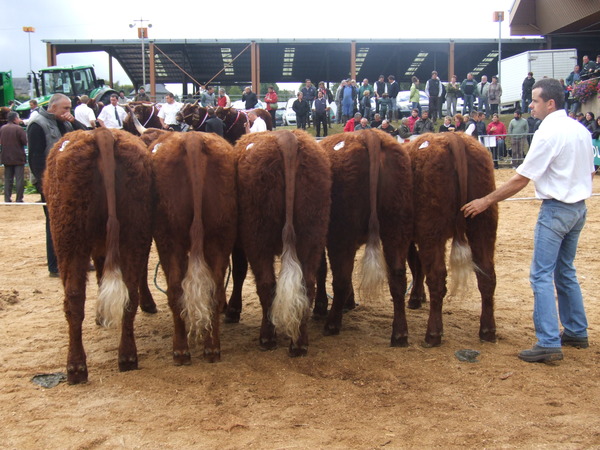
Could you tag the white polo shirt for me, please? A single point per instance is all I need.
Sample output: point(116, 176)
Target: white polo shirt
point(560, 160)
point(168, 112)
point(107, 115)
point(258, 125)
point(84, 115)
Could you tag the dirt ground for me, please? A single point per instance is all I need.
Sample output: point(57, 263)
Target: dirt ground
point(351, 391)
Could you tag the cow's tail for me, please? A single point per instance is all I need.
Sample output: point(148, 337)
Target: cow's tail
point(461, 259)
point(291, 303)
point(198, 284)
point(113, 296)
point(374, 269)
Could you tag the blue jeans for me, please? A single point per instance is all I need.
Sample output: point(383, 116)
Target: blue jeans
point(555, 244)
point(468, 103)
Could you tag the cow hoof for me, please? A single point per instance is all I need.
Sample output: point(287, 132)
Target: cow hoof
point(150, 308)
point(212, 356)
point(331, 330)
point(488, 335)
point(349, 306)
point(77, 374)
point(129, 363)
point(400, 341)
point(320, 313)
point(232, 316)
point(182, 358)
point(432, 341)
point(295, 352)
point(268, 344)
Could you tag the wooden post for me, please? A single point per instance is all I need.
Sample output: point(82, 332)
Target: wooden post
point(110, 70)
point(152, 73)
point(51, 54)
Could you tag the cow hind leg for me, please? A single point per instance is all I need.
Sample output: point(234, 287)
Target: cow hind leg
point(435, 272)
point(128, 359)
point(321, 299)
point(396, 262)
point(342, 263)
point(265, 287)
point(147, 303)
point(239, 271)
point(74, 282)
point(417, 293)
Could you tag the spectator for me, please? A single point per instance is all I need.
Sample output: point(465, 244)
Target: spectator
point(207, 99)
point(596, 133)
point(404, 130)
point(386, 107)
point(393, 89)
point(580, 117)
point(471, 123)
point(302, 109)
point(480, 125)
point(348, 99)
point(574, 76)
point(34, 110)
point(498, 130)
point(338, 100)
point(588, 69)
point(223, 100)
point(483, 89)
point(532, 125)
point(122, 100)
point(424, 124)
point(249, 98)
point(380, 88)
point(459, 122)
point(84, 114)
point(112, 115)
point(365, 104)
point(362, 125)
point(414, 116)
point(327, 94)
point(365, 86)
point(271, 101)
point(387, 127)
point(528, 83)
point(141, 95)
point(168, 113)
point(469, 89)
point(433, 89)
point(495, 96)
point(184, 127)
point(351, 124)
point(447, 125)
point(13, 141)
point(415, 95)
point(321, 111)
point(517, 129)
point(309, 92)
point(42, 133)
point(376, 122)
point(214, 124)
point(590, 122)
point(258, 124)
point(452, 94)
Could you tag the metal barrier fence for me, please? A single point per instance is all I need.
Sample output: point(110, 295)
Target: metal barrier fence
point(506, 149)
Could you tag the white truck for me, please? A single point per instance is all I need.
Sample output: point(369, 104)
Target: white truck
point(543, 63)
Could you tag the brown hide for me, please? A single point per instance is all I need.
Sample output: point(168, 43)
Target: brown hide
point(98, 186)
point(263, 189)
point(449, 170)
point(195, 229)
point(235, 121)
point(371, 200)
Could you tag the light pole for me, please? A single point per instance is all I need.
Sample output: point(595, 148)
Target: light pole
point(30, 30)
point(142, 34)
point(499, 17)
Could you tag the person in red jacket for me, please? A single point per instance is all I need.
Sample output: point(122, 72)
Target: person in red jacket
point(271, 101)
point(497, 129)
point(353, 122)
point(413, 119)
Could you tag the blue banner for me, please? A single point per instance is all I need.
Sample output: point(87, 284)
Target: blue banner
point(596, 144)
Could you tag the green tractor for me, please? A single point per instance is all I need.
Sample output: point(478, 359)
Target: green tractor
point(7, 91)
point(73, 81)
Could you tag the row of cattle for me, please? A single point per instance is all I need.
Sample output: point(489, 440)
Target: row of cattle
point(273, 193)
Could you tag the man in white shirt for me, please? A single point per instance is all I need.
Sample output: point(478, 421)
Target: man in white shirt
point(84, 114)
point(168, 113)
point(561, 164)
point(258, 125)
point(34, 108)
point(112, 115)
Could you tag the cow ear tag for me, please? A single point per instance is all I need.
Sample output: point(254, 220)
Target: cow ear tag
point(156, 147)
point(424, 145)
point(250, 145)
point(62, 147)
point(339, 146)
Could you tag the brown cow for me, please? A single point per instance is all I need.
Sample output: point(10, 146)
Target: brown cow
point(98, 186)
point(195, 229)
point(371, 202)
point(284, 182)
point(235, 121)
point(449, 170)
point(146, 115)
